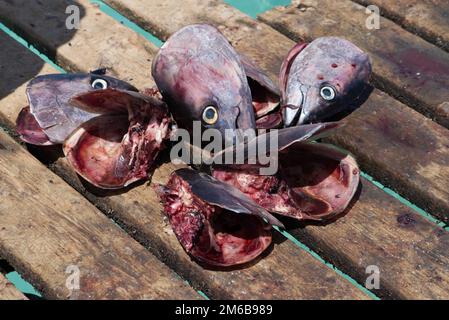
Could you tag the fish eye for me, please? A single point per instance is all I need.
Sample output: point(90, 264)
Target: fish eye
point(328, 93)
point(210, 115)
point(100, 84)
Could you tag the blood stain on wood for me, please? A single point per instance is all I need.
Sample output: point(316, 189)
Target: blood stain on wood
point(406, 137)
point(406, 220)
point(421, 62)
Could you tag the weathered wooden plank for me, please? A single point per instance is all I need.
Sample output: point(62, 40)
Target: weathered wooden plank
point(404, 65)
point(286, 272)
point(402, 149)
point(427, 18)
point(47, 227)
point(409, 250)
point(8, 291)
point(15, 74)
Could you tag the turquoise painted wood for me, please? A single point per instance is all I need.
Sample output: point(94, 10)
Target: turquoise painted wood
point(255, 7)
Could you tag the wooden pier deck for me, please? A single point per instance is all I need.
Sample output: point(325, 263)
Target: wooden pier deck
point(49, 220)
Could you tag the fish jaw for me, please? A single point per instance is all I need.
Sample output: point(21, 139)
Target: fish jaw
point(292, 111)
point(29, 130)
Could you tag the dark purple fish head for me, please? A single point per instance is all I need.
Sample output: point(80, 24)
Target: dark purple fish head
point(201, 77)
point(50, 97)
point(319, 80)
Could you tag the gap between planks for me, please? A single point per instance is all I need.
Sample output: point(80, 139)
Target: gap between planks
point(8, 291)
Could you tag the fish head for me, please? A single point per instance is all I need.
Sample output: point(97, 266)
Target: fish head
point(201, 77)
point(50, 97)
point(321, 79)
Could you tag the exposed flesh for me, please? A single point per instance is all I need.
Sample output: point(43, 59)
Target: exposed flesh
point(314, 182)
point(114, 150)
point(209, 233)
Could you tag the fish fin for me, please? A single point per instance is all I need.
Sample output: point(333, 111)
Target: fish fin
point(285, 138)
point(255, 73)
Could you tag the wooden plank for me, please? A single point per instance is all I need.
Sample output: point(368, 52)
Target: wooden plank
point(15, 74)
point(411, 253)
point(427, 18)
point(8, 291)
point(46, 227)
point(402, 149)
point(404, 65)
point(409, 250)
point(285, 272)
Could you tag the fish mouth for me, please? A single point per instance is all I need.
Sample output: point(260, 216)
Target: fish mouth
point(297, 115)
point(291, 114)
point(236, 126)
point(293, 111)
point(306, 117)
point(305, 106)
